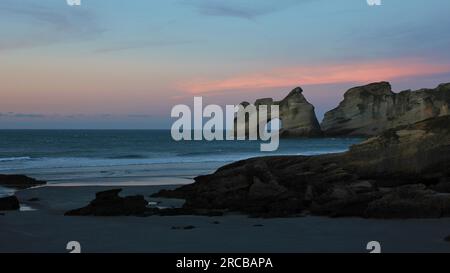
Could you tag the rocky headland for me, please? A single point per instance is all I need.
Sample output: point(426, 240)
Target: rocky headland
point(401, 173)
point(371, 109)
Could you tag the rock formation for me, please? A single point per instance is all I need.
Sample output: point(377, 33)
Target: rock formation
point(371, 109)
point(19, 181)
point(402, 173)
point(109, 203)
point(296, 114)
point(9, 203)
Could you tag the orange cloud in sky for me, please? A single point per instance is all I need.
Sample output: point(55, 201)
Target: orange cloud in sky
point(323, 74)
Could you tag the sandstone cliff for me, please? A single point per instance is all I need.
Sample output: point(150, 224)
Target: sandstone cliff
point(297, 115)
point(371, 109)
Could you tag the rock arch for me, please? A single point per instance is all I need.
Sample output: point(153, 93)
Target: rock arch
point(296, 115)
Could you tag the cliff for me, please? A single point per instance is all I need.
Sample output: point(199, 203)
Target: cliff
point(371, 109)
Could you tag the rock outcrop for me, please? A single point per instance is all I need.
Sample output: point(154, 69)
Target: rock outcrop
point(9, 203)
point(19, 181)
point(371, 109)
point(402, 173)
point(297, 115)
point(109, 203)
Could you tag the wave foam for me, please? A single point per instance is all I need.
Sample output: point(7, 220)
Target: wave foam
point(22, 158)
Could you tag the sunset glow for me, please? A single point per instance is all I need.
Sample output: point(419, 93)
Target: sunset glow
point(120, 65)
point(318, 75)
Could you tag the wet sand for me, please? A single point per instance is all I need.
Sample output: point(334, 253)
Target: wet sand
point(45, 229)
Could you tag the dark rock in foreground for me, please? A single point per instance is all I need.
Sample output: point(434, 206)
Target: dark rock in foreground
point(19, 181)
point(9, 203)
point(402, 173)
point(109, 203)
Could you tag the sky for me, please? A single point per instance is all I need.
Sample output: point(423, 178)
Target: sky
point(124, 64)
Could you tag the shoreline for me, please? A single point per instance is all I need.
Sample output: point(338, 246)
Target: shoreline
point(47, 230)
point(341, 185)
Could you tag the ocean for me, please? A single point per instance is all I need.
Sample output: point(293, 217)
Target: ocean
point(132, 157)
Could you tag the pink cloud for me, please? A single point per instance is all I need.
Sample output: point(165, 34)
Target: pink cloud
point(324, 74)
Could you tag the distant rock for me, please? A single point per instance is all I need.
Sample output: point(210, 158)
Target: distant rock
point(296, 114)
point(19, 181)
point(9, 203)
point(401, 173)
point(109, 203)
point(371, 109)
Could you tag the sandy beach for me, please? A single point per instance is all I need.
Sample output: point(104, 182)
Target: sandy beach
point(45, 229)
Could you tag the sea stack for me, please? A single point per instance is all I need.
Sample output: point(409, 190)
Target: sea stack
point(297, 115)
point(371, 109)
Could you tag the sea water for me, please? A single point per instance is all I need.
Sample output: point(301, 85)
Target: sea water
point(133, 157)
